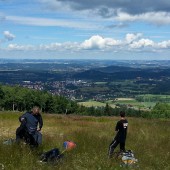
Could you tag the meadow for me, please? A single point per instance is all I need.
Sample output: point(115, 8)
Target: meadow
point(148, 101)
point(148, 138)
point(91, 103)
point(119, 101)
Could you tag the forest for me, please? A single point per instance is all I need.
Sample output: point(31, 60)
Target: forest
point(16, 98)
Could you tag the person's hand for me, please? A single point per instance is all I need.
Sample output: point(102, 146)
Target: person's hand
point(22, 119)
point(38, 129)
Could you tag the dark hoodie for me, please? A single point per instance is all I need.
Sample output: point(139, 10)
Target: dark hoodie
point(32, 121)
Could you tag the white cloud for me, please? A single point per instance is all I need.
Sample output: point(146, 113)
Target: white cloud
point(98, 42)
point(142, 43)
point(34, 21)
point(131, 37)
point(130, 6)
point(8, 35)
point(158, 18)
point(53, 46)
point(131, 42)
point(58, 46)
point(164, 44)
point(157, 13)
point(20, 47)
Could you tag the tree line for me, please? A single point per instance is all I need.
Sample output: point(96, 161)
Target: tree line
point(16, 98)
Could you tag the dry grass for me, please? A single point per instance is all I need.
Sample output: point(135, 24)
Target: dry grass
point(147, 138)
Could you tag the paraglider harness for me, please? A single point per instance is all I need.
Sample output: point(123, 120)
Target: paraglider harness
point(54, 155)
point(127, 158)
point(51, 156)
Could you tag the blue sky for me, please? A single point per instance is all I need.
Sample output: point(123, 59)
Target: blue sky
point(85, 29)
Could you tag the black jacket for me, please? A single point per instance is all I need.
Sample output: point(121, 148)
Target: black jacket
point(32, 121)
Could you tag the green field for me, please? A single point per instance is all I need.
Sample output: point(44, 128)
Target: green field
point(155, 97)
point(122, 101)
point(91, 103)
point(149, 139)
point(146, 101)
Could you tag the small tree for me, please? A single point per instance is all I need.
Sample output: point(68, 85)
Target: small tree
point(108, 110)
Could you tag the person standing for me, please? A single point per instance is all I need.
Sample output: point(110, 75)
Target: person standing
point(120, 137)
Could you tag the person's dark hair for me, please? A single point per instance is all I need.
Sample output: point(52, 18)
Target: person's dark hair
point(122, 114)
point(36, 110)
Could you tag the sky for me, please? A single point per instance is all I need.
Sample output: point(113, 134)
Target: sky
point(85, 29)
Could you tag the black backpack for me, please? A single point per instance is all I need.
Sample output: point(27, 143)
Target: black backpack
point(51, 156)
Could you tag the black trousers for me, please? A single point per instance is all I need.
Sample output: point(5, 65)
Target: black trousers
point(114, 144)
point(22, 133)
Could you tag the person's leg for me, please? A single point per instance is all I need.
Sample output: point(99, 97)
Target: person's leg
point(122, 147)
point(112, 147)
point(38, 137)
point(39, 140)
point(19, 133)
point(32, 141)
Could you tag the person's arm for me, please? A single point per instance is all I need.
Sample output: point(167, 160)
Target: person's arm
point(117, 127)
point(23, 121)
point(22, 118)
point(40, 121)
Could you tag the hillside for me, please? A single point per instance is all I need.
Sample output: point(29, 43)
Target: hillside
point(122, 73)
point(71, 78)
point(147, 138)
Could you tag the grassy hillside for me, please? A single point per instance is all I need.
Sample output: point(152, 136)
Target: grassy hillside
point(147, 138)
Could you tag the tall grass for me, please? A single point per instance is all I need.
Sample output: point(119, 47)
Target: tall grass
point(149, 139)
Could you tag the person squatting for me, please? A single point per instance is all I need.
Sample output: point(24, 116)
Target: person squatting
point(28, 129)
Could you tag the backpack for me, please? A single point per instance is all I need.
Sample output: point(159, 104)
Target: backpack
point(128, 158)
point(51, 156)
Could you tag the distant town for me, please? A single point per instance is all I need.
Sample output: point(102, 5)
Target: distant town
point(83, 80)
